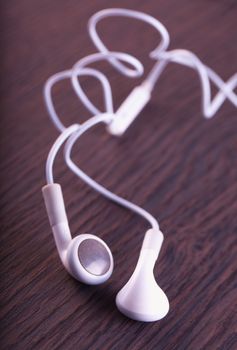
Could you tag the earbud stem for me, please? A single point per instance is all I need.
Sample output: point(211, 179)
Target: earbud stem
point(55, 207)
point(153, 241)
point(54, 203)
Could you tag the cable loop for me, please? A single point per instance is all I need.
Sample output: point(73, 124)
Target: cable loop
point(118, 60)
point(131, 14)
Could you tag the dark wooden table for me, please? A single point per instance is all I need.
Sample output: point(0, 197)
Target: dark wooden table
point(172, 161)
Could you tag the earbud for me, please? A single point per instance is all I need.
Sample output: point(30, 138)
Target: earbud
point(141, 298)
point(86, 257)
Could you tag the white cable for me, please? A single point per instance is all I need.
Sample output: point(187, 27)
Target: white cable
point(85, 61)
point(184, 57)
point(108, 100)
point(79, 70)
point(107, 92)
point(131, 14)
point(54, 150)
point(48, 97)
point(118, 60)
point(73, 133)
point(104, 118)
point(187, 58)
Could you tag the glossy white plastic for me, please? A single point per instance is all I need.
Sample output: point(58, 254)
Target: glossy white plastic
point(67, 247)
point(129, 110)
point(141, 298)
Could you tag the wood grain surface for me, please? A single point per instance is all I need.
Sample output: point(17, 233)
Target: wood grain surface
point(172, 162)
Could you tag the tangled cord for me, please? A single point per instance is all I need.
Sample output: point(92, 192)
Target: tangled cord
point(119, 60)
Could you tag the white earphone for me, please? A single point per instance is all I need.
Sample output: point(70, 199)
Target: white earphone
point(87, 257)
